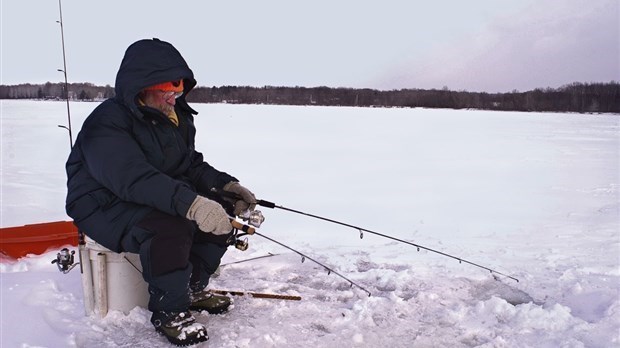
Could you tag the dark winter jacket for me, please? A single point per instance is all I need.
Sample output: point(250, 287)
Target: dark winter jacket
point(130, 159)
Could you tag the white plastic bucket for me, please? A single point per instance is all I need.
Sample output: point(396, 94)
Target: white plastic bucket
point(111, 281)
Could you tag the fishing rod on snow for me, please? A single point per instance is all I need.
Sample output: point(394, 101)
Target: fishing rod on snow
point(361, 230)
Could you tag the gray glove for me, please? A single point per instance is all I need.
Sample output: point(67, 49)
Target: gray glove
point(210, 216)
point(247, 201)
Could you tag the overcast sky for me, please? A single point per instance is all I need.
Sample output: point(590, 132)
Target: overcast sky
point(474, 45)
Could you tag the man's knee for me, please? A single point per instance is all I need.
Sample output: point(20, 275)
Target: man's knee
point(170, 241)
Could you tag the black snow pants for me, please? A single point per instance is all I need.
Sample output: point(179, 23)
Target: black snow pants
point(175, 256)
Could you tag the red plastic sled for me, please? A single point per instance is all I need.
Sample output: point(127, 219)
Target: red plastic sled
point(16, 242)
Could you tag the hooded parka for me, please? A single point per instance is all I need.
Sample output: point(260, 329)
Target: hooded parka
point(130, 159)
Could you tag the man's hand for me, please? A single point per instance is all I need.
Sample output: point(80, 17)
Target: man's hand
point(247, 201)
point(210, 216)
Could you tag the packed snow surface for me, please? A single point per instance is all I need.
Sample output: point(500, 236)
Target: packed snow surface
point(531, 195)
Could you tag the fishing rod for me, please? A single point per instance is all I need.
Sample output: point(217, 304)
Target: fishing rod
point(304, 257)
point(257, 219)
point(250, 259)
point(64, 71)
point(257, 295)
point(272, 205)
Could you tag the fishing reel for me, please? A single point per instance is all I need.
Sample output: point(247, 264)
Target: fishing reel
point(65, 260)
point(253, 218)
point(242, 244)
point(235, 239)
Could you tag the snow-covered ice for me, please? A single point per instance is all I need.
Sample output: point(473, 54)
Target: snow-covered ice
point(532, 195)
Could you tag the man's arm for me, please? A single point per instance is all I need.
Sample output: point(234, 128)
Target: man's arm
point(115, 160)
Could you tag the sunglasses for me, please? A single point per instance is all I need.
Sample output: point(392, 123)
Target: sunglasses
point(167, 89)
point(170, 94)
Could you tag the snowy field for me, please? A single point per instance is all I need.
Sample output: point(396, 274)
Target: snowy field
point(532, 195)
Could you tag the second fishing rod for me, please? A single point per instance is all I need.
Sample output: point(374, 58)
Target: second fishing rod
point(271, 205)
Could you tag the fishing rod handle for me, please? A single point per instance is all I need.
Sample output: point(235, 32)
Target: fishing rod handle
point(245, 228)
point(261, 202)
point(265, 204)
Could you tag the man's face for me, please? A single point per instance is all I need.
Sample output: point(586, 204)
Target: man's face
point(161, 100)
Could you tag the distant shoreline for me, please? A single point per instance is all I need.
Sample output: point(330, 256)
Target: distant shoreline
point(576, 97)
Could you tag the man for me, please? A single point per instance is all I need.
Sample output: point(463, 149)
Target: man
point(136, 184)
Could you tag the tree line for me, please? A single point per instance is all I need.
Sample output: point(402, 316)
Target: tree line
point(56, 91)
point(574, 97)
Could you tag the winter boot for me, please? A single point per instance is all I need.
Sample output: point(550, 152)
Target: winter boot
point(180, 328)
point(206, 301)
